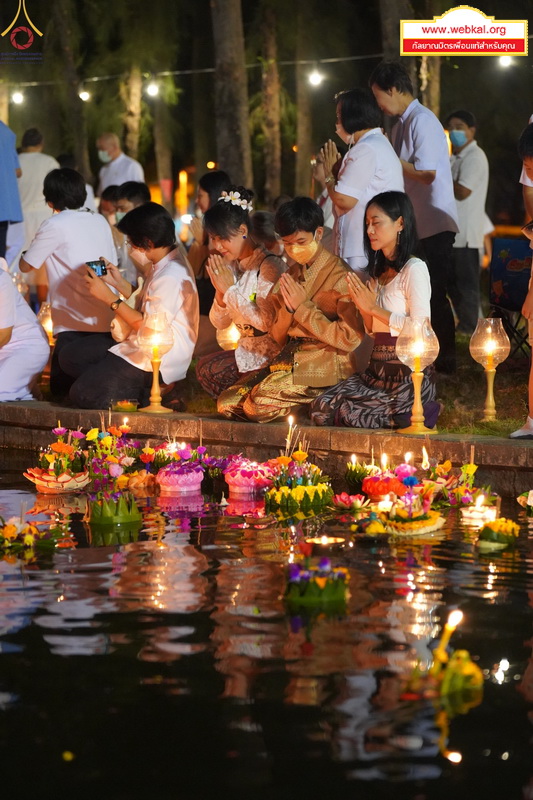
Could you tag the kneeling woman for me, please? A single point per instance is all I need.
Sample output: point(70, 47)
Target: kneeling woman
point(314, 321)
point(382, 396)
point(124, 371)
point(243, 273)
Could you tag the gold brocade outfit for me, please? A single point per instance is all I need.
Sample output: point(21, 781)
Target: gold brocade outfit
point(316, 342)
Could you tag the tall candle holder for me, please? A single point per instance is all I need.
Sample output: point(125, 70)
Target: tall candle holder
point(489, 346)
point(155, 339)
point(417, 346)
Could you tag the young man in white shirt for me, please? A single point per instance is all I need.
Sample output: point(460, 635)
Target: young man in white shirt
point(118, 167)
point(470, 172)
point(72, 236)
point(420, 143)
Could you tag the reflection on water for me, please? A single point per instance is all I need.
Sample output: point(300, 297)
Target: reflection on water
point(165, 662)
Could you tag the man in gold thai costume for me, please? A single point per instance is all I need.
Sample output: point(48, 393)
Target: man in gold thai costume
point(313, 320)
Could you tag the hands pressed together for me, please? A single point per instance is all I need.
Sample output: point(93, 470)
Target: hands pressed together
point(220, 272)
point(293, 293)
point(363, 297)
point(331, 158)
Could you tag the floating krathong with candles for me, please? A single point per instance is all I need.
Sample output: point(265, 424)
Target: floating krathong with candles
point(245, 477)
point(526, 501)
point(478, 513)
point(317, 585)
point(410, 515)
point(297, 486)
point(356, 472)
point(62, 465)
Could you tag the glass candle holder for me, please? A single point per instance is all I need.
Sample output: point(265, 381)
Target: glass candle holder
point(417, 347)
point(489, 346)
point(155, 338)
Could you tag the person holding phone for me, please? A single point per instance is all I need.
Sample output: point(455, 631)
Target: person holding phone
point(124, 370)
point(64, 243)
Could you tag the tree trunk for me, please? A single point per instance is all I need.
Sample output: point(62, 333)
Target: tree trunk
point(271, 105)
point(391, 12)
point(430, 83)
point(131, 94)
point(304, 135)
point(62, 10)
point(231, 92)
point(163, 155)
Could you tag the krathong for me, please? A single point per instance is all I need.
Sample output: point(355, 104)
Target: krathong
point(62, 465)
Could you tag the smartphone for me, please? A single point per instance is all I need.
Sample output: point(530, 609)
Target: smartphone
point(98, 267)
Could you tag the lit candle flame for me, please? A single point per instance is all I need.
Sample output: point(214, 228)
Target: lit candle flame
point(425, 458)
point(454, 757)
point(490, 346)
point(353, 459)
point(480, 501)
point(407, 458)
point(125, 421)
point(454, 619)
point(384, 461)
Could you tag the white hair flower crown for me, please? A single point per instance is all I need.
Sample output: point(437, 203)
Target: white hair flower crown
point(236, 200)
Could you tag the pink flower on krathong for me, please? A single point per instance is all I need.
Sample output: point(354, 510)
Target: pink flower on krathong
point(126, 461)
point(115, 470)
point(77, 435)
point(404, 471)
point(59, 431)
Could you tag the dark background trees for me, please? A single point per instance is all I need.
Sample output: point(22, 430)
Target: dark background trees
point(127, 43)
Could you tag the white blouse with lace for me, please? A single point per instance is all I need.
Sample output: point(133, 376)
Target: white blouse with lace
point(408, 294)
point(244, 306)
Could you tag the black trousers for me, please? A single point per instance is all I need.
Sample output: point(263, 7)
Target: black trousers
point(437, 251)
point(74, 351)
point(3, 237)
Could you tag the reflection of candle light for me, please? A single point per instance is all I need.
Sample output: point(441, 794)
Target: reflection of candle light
point(384, 461)
point(454, 619)
point(326, 541)
point(454, 757)
point(425, 459)
point(156, 340)
point(353, 459)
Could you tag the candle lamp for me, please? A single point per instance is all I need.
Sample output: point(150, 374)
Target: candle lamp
point(479, 513)
point(323, 543)
point(489, 346)
point(440, 656)
point(45, 318)
point(155, 339)
point(417, 346)
point(228, 338)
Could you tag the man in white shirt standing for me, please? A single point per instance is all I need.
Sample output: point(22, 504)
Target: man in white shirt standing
point(72, 236)
point(421, 145)
point(470, 172)
point(118, 167)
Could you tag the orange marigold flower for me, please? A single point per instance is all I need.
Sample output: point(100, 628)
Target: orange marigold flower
point(63, 448)
point(115, 431)
point(283, 461)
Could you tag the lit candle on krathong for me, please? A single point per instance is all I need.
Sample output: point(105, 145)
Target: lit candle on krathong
point(386, 504)
point(425, 458)
point(353, 459)
point(124, 428)
point(479, 512)
point(454, 619)
point(326, 541)
point(384, 461)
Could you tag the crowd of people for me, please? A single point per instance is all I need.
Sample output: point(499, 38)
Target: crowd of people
point(318, 291)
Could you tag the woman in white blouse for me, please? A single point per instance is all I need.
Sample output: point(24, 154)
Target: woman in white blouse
point(243, 273)
point(399, 286)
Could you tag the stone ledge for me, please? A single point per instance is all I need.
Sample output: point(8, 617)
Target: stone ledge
point(505, 464)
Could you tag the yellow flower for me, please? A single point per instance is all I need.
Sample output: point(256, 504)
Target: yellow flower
point(469, 469)
point(92, 435)
point(50, 458)
point(112, 459)
point(29, 539)
point(123, 480)
point(148, 450)
point(9, 532)
point(299, 455)
point(444, 468)
point(107, 441)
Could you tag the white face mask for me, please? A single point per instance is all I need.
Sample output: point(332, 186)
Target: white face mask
point(139, 258)
point(104, 156)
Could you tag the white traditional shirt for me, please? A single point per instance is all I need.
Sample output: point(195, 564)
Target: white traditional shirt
point(408, 294)
point(470, 168)
point(64, 243)
point(121, 169)
point(170, 287)
point(419, 138)
point(243, 306)
point(370, 167)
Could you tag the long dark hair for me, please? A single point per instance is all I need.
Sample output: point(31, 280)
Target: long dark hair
point(394, 205)
point(226, 217)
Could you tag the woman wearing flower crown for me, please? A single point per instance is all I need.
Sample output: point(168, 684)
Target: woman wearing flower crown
point(243, 273)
